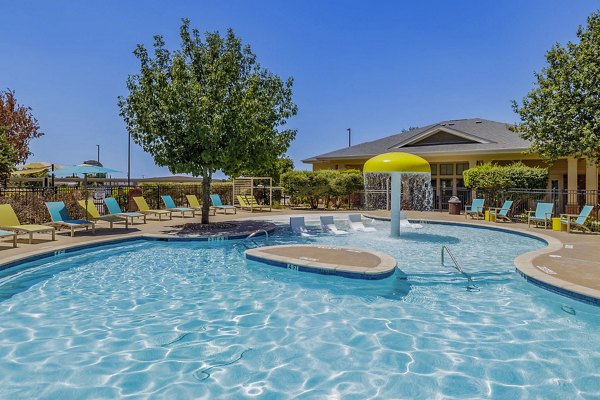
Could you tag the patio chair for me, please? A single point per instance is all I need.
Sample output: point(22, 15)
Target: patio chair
point(243, 203)
point(143, 207)
point(501, 213)
point(328, 226)
point(170, 206)
point(218, 204)
point(10, 222)
point(94, 215)
point(4, 234)
point(298, 227)
point(356, 224)
point(543, 213)
point(114, 209)
point(61, 219)
point(194, 203)
point(405, 223)
point(475, 210)
point(577, 220)
point(251, 200)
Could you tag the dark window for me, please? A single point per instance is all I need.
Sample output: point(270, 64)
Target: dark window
point(434, 169)
point(460, 167)
point(446, 169)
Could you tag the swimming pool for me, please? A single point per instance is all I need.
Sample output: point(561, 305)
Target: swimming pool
point(150, 319)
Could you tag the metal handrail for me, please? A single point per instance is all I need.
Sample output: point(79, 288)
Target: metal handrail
point(470, 285)
point(250, 236)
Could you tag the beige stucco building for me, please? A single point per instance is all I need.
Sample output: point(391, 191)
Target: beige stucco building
point(456, 145)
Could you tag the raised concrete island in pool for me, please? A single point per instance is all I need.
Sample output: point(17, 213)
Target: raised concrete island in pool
point(328, 260)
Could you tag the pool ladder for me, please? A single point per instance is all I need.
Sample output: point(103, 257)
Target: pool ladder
point(249, 239)
point(471, 287)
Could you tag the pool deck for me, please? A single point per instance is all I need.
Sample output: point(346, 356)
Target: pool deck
point(571, 261)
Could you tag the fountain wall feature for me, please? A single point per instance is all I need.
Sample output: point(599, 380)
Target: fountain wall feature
point(412, 169)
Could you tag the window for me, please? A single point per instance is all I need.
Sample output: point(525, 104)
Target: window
point(460, 183)
point(446, 169)
point(434, 169)
point(460, 167)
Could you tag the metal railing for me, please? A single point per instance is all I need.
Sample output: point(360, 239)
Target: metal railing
point(470, 285)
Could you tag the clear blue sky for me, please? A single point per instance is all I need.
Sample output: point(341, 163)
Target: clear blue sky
point(373, 66)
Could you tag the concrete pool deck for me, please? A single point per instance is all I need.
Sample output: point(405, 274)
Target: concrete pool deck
point(571, 262)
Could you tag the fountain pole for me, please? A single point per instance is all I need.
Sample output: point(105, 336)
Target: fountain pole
point(396, 203)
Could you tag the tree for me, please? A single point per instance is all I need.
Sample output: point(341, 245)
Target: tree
point(561, 115)
point(309, 186)
point(274, 169)
point(206, 107)
point(8, 156)
point(20, 124)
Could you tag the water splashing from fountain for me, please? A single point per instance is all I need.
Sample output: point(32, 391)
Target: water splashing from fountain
point(417, 193)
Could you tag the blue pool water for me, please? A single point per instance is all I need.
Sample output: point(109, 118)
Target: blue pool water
point(183, 320)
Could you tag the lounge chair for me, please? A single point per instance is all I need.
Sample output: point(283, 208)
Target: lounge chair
point(61, 219)
point(543, 213)
point(143, 207)
point(114, 209)
point(405, 223)
point(475, 210)
point(298, 226)
point(195, 204)
point(577, 220)
point(251, 200)
point(94, 215)
point(243, 203)
point(356, 224)
point(218, 204)
point(170, 206)
point(4, 234)
point(10, 222)
point(328, 225)
point(501, 213)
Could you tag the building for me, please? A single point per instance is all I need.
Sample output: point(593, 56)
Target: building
point(456, 145)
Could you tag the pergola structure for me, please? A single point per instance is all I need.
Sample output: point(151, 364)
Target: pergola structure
point(250, 187)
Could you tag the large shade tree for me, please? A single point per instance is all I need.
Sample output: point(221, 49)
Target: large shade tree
point(8, 156)
point(208, 106)
point(561, 115)
point(19, 125)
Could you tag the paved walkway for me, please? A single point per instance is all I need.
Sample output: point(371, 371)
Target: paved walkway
point(572, 261)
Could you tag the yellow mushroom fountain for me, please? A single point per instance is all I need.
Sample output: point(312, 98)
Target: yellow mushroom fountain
point(397, 164)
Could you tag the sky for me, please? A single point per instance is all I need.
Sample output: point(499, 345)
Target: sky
point(376, 67)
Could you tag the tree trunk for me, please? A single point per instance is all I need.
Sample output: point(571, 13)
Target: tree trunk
point(206, 179)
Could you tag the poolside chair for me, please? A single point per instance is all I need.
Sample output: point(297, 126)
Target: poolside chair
point(4, 234)
point(577, 221)
point(94, 215)
point(143, 207)
point(328, 225)
point(543, 213)
point(195, 204)
point(61, 219)
point(356, 224)
point(475, 210)
point(405, 223)
point(170, 206)
point(501, 213)
point(10, 222)
point(251, 200)
point(243, 203)
point(298, 226)
point(216, 200)
point(114, 209)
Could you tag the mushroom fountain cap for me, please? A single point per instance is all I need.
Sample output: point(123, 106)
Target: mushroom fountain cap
point(397, 162)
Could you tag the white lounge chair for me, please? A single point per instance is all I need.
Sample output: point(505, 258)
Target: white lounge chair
point(356, 224)
point(328, 225)
point(405, 223)
point(298, 226)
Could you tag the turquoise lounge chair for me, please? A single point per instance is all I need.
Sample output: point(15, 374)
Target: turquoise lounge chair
point(475, 210)
point(216, 200)
point(114, 209)
point(61, 219)
point(170, 205)
point(501, 213)
point(577, 221)
point(543, 213)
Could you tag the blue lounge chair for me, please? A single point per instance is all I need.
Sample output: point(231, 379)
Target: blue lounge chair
point(216, 200)
point(13, 235)
point(114, 209)
point(543, 213)
point(577, 221)
point(501, 213)
point(170, 205)
point(475, 210)
point(61, 219)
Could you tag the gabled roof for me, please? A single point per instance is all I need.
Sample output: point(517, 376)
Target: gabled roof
point(455, 136)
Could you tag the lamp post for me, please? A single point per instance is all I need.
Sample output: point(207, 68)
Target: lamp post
point(98, 159)
point(349, 137)
point(129, 160)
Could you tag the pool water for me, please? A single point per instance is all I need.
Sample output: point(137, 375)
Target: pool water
point(183, 320)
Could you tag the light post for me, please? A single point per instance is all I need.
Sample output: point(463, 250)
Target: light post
point(98, 159)
point(349, 137)
point(129, 160)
